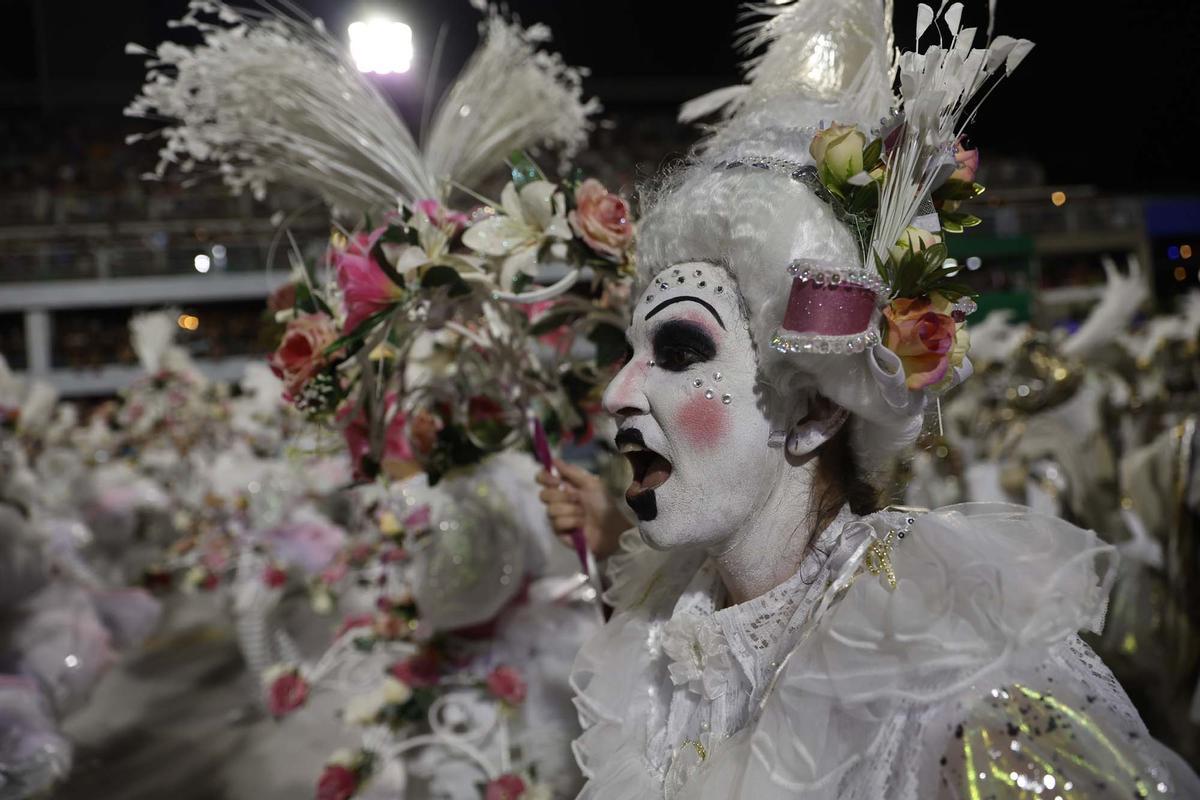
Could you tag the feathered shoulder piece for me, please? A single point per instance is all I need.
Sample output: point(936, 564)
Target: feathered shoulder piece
point(271, 98)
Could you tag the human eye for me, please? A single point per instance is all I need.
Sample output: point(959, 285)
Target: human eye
point(679, 344)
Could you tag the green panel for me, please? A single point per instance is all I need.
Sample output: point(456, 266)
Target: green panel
point(964, 245)
point(1020, 302)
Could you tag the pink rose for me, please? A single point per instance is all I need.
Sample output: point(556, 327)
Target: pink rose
point(922, 338)
point(506, 787)
point(366, 288)
point(602, 219)
point(301, 353)
point(439, 215)
point(287, 693)
point(337, 783)
point(421, 670)
point(966, 163)
point(506, 684)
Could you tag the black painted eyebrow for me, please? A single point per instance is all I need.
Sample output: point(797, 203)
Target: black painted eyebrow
point(681, 299)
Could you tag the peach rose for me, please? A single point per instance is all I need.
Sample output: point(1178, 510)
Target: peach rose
point(301, 353)
point(922, 337)
point(602, 219)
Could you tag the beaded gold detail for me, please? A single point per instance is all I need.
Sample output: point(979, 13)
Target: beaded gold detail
point(878, 558)
point(701, 750)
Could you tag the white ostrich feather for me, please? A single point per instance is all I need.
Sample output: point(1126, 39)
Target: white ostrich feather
point(152, 334)
point(807, 59)
point(1123, 294)
point(268, 98)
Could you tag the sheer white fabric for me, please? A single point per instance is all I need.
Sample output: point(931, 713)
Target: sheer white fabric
point(868, 691)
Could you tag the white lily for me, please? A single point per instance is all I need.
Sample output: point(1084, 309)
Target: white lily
point(530, 218)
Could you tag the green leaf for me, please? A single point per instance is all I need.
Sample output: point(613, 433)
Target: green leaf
point(439, 276)
point(380, 258)
point(524, 171)
point(955, 190)
point(871, 156)
point(355, 339)
point(864, 199)
point(969, 220)
point(552, 320)
point(950, 225)
point(935, 255)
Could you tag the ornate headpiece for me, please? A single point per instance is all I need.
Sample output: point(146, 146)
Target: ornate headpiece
point(894, 170)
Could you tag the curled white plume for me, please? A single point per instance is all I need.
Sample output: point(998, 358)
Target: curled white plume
point(274, 99)
point(938, 88)
point(1112, 315)
point(994, 340)
point(810, 60)
point(152, 334)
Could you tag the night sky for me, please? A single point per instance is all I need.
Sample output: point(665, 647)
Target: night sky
point(1108, 97)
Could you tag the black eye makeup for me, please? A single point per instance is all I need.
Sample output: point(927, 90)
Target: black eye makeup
point(679, 344)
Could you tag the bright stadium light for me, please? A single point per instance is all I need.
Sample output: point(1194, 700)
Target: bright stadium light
point(381, 46)
point(202, 262)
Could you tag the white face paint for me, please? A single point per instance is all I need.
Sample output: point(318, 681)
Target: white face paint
point(689, 414)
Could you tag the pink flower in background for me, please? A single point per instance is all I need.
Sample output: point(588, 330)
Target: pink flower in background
point(301, 353)
point(418, 519)
point(355, 621)
point(559, 338)
point(309, 543)
point(337, 783)
point(442, 217)
point(602, 219)
point(421, 670)
point(287, 693)
point(366, 288)
point(506, 684)
point(966, 163)
point(506, 787)
point(274, 577)
point(283, 298)
point(357, 434)
point(333, 573)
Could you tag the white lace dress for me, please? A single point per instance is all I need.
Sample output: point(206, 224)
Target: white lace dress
point(966, 679)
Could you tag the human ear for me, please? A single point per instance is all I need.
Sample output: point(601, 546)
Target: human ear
point(818, 420)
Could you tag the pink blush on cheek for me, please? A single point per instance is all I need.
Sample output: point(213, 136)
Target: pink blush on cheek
point(704, 422)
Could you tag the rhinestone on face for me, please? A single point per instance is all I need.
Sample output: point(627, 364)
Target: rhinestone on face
point(664, 285)
point(708, 394)
point(697, 383)
point(720, 289)
point(652, 362)
point(680, 279)
point(716, 376)
point(698, 273)
point(726, 399)
point(702, 284)
point(649, 297)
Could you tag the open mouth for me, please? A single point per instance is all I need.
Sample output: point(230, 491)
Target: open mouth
point(650, 470)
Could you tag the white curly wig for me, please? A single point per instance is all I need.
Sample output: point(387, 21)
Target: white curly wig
point(753, 223)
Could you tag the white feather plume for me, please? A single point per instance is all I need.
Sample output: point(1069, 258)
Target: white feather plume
point(808, 60)
point(509, 96)
point(1123, 294)
point(938, 88)
point(270, 99)
point(152, 334)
